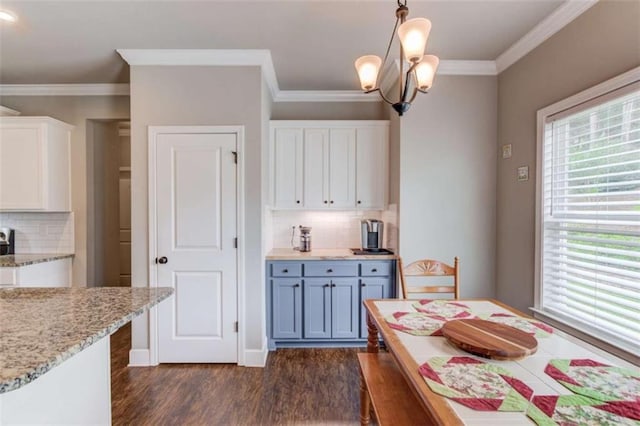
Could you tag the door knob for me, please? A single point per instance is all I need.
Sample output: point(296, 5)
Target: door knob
point(163, 260)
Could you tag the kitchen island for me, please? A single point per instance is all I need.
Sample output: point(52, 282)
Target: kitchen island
point(54, 350)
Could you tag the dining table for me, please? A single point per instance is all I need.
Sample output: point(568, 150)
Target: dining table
point(423, 355)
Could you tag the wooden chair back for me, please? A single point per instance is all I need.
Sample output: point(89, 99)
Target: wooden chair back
point(430, 268)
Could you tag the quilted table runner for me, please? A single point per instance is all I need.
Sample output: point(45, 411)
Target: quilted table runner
point(476, 384)
point(549, 410)
point(416, 323)
point(443, 308)
point(527, 325)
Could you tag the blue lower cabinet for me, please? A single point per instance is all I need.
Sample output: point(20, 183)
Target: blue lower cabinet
point(286, 308)
point(317, 308)
point(344, 308)
point(319, 302)
point(372, 288)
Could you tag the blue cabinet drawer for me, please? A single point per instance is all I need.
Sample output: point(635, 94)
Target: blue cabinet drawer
point(286, 269)
point(331, 269)
point(375, 269)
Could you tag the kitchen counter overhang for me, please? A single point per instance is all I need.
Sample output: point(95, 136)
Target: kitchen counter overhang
point(324, 254)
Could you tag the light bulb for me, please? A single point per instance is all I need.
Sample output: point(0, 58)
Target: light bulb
point(7, 16)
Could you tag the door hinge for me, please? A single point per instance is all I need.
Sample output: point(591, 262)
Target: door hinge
point(235, 242)
point(235, 326)
point(235, 156)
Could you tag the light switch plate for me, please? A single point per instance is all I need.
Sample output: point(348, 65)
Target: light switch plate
point(523, 173)
point(506, 151)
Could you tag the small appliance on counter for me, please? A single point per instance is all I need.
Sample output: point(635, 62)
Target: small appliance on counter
point(7, 241)
point(305, 238)
point(372, 238)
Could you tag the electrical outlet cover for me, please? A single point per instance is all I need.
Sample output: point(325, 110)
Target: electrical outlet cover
point(523, 173)
point(506, 151)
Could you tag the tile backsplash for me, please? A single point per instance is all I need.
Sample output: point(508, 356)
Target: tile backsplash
point(41, 232)
point(329, 229)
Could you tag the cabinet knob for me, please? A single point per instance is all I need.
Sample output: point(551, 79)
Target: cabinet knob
point(374, 270)
point(329, 271)
point(325, 201)
point(327, 285)
point(333, 285)
point(296, 285)
point(331, 201)
point(359, 202)
point(363, 285)
point(297, 201)
point(285, 271)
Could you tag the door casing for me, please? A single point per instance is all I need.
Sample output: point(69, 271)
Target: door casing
point(153, 132)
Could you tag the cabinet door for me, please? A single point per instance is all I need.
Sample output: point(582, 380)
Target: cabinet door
point(344, 308)
point(342, 168)
point(317, 308)
point(316, 168)
point(287, 166)
point(371, 166)
point(286, 308)
point(22, 154)
point(372, 288)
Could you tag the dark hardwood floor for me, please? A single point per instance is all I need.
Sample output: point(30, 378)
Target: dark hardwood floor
point(297, 386)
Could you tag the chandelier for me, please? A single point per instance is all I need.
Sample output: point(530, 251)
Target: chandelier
point(413, 34)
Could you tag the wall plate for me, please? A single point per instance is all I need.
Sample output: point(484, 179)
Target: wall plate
point(506, 151)
point(523, 173)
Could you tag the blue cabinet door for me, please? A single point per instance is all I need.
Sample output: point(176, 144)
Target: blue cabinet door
point(344, 308)
point(372, 288)
point(317, 308)
point(286, 309)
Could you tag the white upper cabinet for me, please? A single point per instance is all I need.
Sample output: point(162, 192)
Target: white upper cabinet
point(35, 164)
point(372, 168)
point(287, 167)
point(329, 164)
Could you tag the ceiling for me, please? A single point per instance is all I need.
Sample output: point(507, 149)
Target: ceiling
point(313, 43)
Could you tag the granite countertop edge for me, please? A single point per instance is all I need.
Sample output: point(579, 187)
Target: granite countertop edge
point(18, 382)
point(25, 259)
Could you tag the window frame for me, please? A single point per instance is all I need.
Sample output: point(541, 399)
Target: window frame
point(586, 96)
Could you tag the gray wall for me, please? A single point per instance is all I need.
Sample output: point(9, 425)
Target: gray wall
point(330, 110)
point(198, 95)
point(448, 178)
point(598, 45)
point(76, 110)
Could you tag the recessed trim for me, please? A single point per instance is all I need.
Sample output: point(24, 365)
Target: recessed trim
point(118, 89)
point(325, 96)
point(211, 57)
point(550, 25)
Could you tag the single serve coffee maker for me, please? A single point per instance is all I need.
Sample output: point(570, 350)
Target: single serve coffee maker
point(7, 243)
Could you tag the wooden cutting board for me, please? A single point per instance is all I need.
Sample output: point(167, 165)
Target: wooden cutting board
point(490, 339)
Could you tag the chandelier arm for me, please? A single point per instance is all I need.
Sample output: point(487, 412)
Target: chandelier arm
point(384, 98)
point(407, 79)
point(386, 55)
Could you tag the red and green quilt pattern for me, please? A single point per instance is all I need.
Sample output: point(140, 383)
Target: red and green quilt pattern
point(565, 410)
point(476, 384)
point(443, 308)
point(527, 325)
point(416, 323)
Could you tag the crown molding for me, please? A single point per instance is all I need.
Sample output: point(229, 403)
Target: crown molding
point(455, 67)
point(119, 89)
point(550, 25)
point(325, 96)
point(212, 57)
point(8, 112)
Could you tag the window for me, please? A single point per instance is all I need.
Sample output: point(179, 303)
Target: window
point(588, 242)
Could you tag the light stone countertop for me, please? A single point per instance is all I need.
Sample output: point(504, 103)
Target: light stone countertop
point(42, 327)
point(16, 260)
point(324, 254)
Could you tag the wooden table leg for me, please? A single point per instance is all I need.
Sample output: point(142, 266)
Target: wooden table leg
point(365, 402)
point(372, 337)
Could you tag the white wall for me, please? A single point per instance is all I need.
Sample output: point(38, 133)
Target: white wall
point(448, 179)
point(200, 95)
point(75, 110)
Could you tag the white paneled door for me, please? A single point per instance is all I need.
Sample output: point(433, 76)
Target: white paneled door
point(196, 229)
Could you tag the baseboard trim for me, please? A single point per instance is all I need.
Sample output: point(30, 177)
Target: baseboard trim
point(256, 357)
point(139, 358)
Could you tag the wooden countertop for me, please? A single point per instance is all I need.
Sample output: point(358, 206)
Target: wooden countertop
point(324, 254)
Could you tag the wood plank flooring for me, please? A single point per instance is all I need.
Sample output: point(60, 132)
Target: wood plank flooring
point(298, 386)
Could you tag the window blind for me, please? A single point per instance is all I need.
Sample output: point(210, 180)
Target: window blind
point(590, 247)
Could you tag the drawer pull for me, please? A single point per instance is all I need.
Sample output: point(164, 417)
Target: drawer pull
point(333, 285)
point(285, 271)
point(296, 285)
point(329, 271)
point(327, 285)
point(363, 285)
point(374, 270)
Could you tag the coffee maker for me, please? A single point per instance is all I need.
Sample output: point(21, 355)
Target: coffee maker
point(305, 238)
point(7, 242)
point(372, 234)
